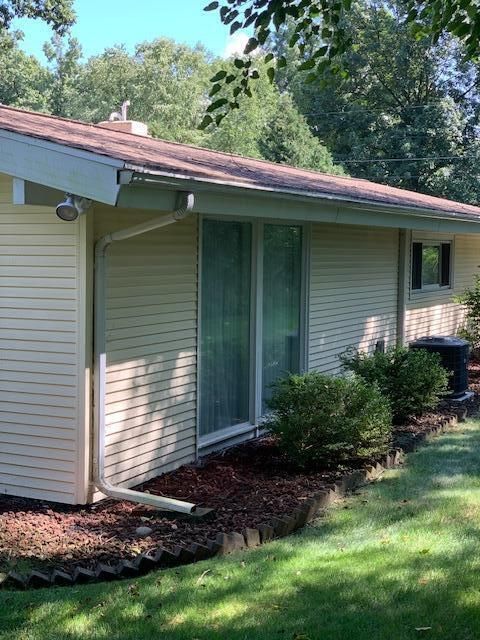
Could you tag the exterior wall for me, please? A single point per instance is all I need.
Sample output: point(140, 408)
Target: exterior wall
point(151, 339)
point(151, 347)
point(152, 282)
point(436, 313)
point(353, 291)
point(40, 404)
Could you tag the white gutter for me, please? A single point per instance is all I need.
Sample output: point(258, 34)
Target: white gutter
point(101, 247)
point(132, 174)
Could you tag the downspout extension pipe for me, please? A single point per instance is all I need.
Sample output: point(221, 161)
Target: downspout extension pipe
point(184, 208)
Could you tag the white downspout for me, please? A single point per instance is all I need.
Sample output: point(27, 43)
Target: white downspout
point(101, 247)
point(402, 287)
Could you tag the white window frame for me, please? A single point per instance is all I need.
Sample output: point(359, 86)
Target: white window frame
point(253, 425)
point(432, 289)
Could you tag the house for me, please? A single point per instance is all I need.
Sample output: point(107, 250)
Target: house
point(147, 331)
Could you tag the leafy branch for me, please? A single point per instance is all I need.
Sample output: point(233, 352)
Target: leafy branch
point(318, 31)
point(313, 21)
point(59, 14)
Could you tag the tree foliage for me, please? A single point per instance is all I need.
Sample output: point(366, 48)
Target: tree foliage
point(64, 55)
point(58, 14)
point(290, 140)
point(23, 81)
point(405, 112)
point(319, 31)
point(167, 85)
point(268, 125)
point(165, 82)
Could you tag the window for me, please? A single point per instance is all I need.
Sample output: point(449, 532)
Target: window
point(431, 265)
point(250, 319)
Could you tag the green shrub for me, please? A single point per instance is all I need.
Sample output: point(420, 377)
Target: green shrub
point(326, 420)
point(412, 379)
point(470, 298)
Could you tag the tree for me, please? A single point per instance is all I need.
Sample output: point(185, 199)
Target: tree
point(64, 55)
point(268, 125)
point(166, 83)
point(172, 88)
point(103, 83)
point(246, 127)
point(57, 13)
point(24, 82)
point(405, 112)
point(290, 141)
point(319, 31)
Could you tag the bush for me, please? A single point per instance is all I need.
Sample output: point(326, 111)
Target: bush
point(412, 379)
point(326, 420)
point(470, 298)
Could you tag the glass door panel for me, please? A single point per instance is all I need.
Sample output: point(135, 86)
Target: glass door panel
point(225, 325)
point(282, 294)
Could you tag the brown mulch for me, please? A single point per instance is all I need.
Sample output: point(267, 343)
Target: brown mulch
point(246, 486)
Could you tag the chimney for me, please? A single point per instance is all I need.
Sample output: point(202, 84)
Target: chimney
point(118, 122)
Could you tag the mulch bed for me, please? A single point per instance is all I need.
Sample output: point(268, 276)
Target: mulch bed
point(246, 486)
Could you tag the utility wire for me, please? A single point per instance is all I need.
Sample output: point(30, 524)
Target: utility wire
point(384, 110)
point(344, 161)
point(398, 134)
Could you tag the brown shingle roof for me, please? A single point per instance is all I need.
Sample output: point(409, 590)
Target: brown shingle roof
point(194, 162)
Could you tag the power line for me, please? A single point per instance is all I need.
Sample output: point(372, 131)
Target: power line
point(398, 134)
point(406, 159)
point(378, 110)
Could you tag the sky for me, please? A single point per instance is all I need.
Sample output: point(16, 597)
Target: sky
point(103, 23)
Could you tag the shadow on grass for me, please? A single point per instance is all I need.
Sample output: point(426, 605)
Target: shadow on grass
point(399, 560)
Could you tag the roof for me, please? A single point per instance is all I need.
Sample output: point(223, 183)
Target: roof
point(162, 157)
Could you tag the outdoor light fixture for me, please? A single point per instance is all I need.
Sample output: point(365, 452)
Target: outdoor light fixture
point(72, 207)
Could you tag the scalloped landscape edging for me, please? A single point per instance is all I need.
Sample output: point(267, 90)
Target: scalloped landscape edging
point(226, 543)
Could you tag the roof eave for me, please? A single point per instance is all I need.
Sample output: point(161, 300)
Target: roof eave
point(171, 180)
point(102, 177)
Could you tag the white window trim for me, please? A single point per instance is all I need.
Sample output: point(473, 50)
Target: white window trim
point(432, 290)
point(256, 418)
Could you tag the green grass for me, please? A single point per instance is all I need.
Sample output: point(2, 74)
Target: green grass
point(401, 556)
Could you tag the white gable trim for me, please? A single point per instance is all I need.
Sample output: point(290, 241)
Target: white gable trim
point(60, 167)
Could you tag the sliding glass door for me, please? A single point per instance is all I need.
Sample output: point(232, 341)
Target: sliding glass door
point(244, 346)
point(282, 294)
point(225, 325)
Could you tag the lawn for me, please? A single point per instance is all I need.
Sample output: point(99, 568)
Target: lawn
point(400, 560)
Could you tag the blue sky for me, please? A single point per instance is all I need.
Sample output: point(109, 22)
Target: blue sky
point(103, 23)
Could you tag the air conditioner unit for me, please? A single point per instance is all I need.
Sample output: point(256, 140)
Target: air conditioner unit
point(454, 353)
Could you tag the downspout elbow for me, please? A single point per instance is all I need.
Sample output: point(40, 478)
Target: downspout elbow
point(102, 244)
point(185, 206)
point(159, 502)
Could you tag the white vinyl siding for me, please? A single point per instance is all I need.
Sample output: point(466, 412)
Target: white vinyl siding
point(38, 344)
point(151, 347)
point(435, 313)
point(353, 291)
